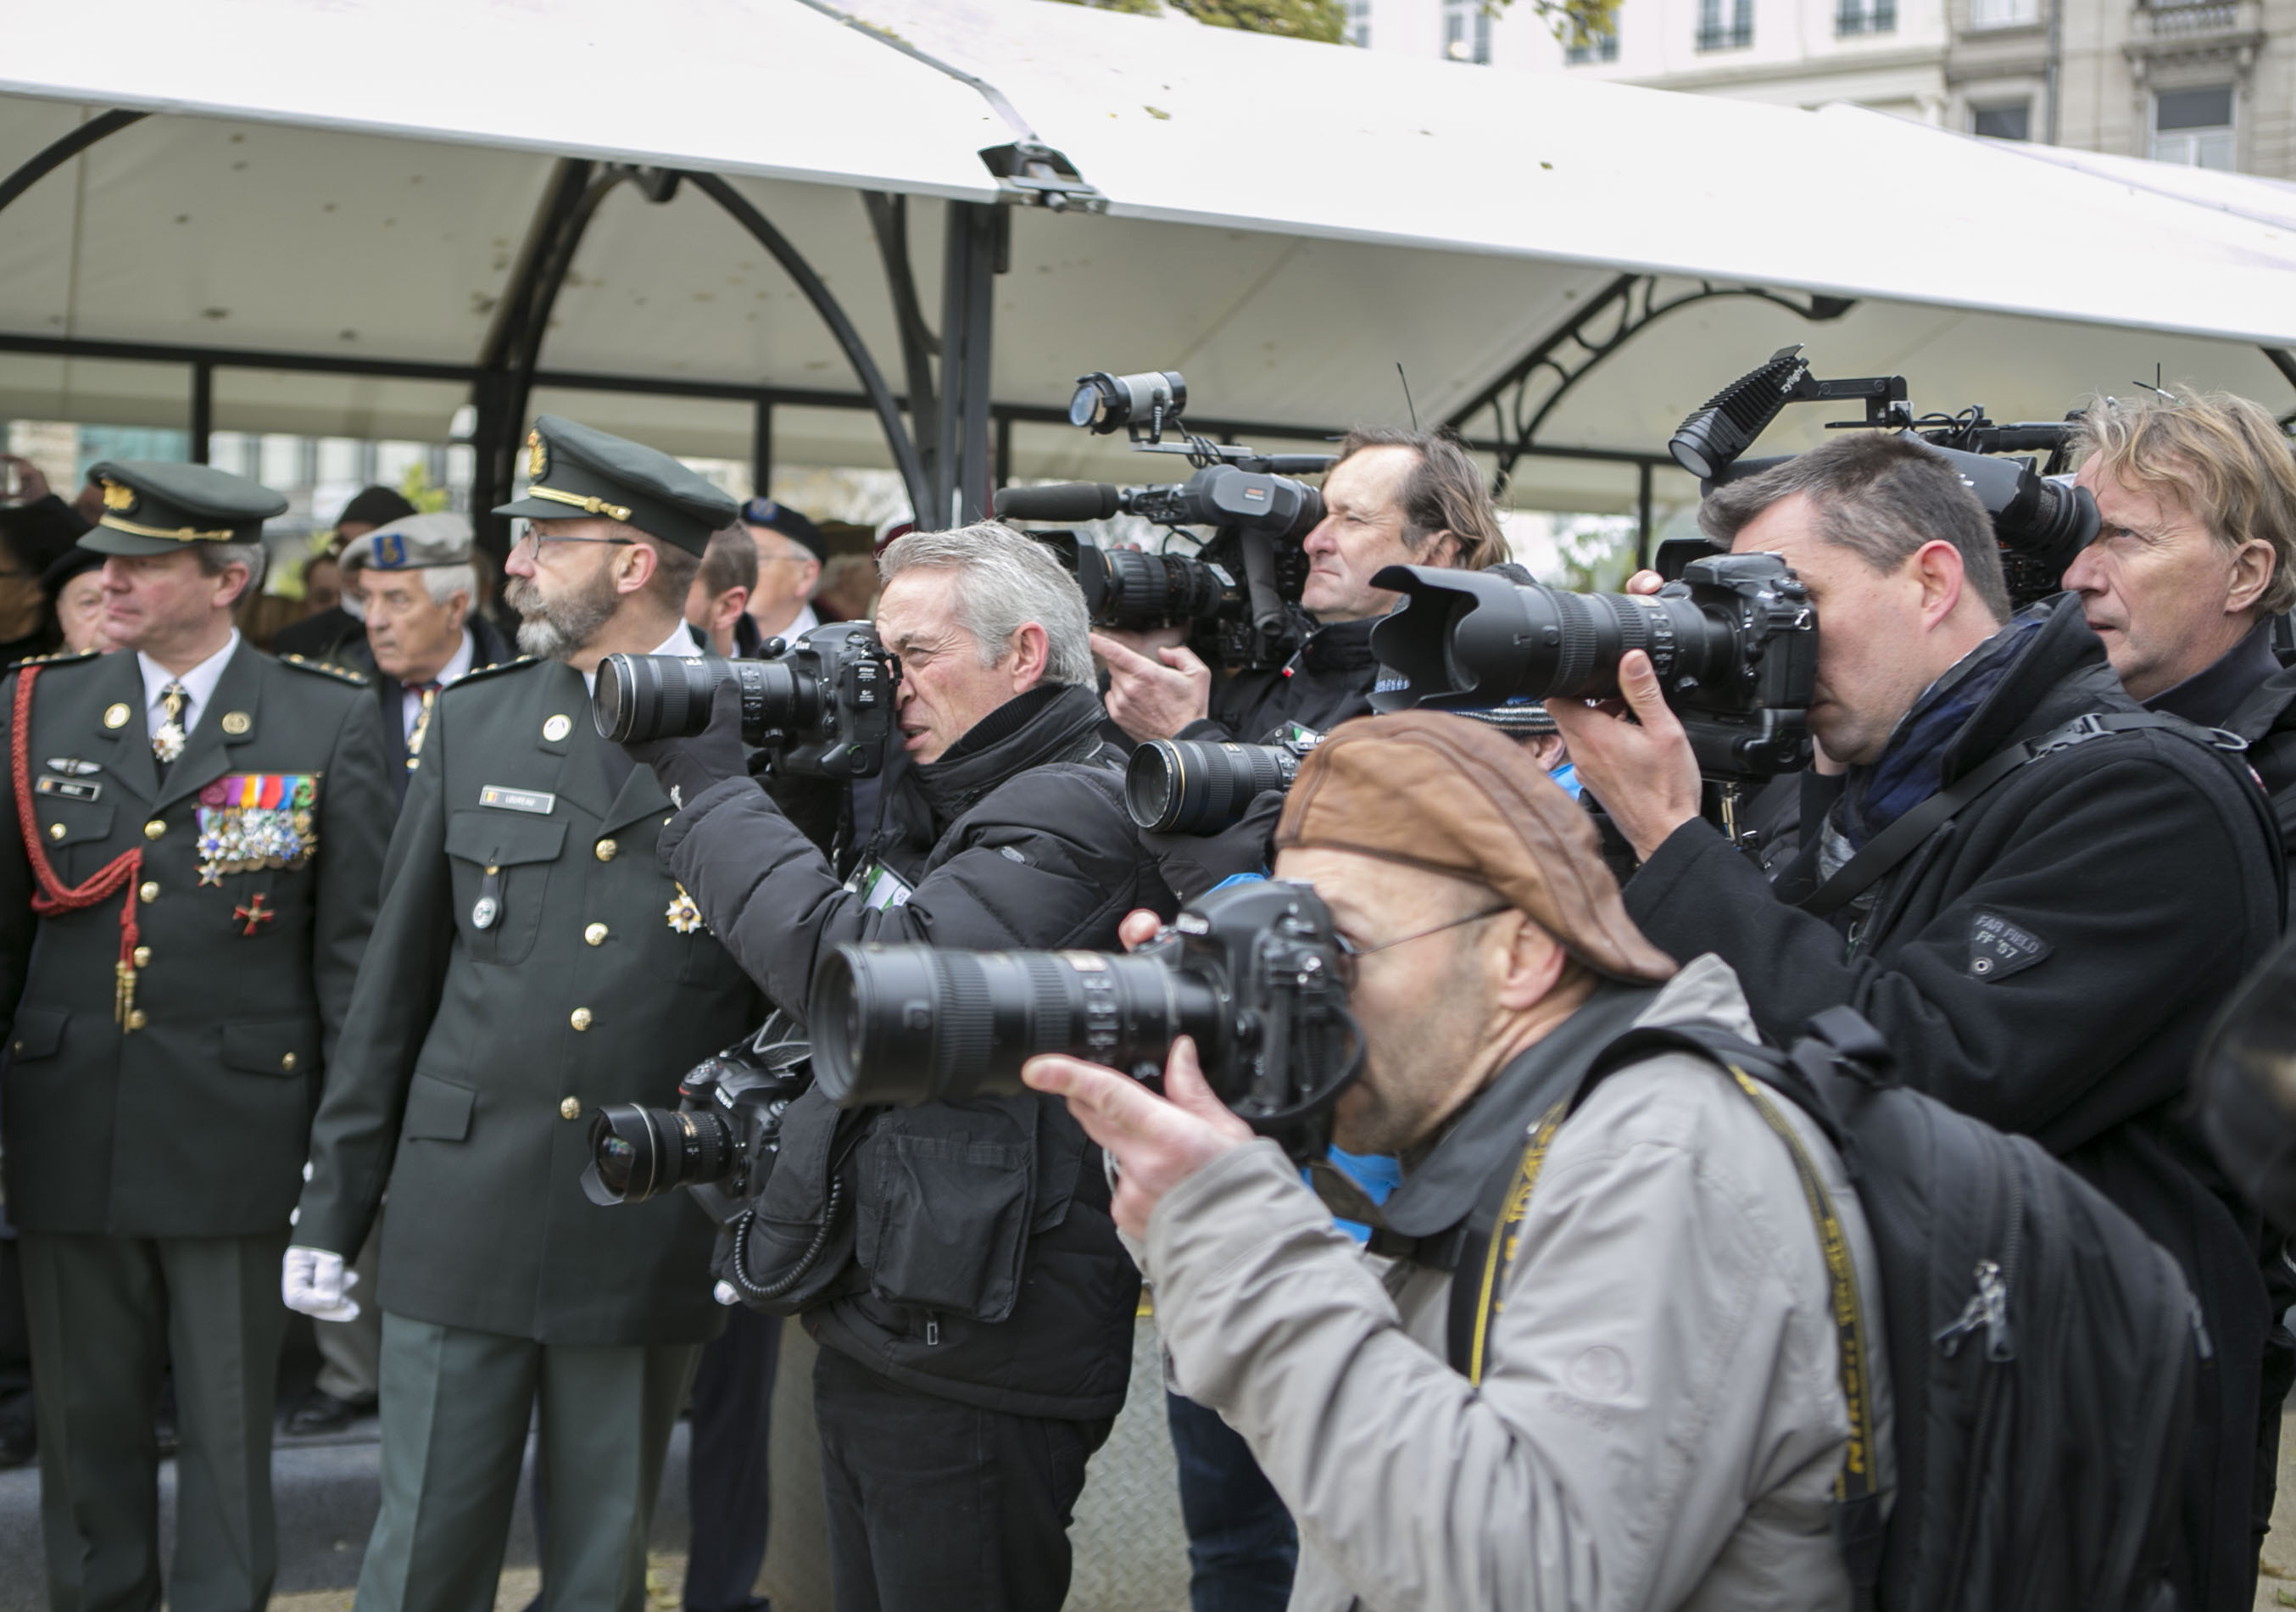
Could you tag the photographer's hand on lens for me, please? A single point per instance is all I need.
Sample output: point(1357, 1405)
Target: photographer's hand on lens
point(688, 766)
point(1154, 700)
point(1157, 1142)
point(317, 1283)
point(1636, 760)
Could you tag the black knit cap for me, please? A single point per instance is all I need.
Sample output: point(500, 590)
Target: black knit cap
point(375, 506)
point(577, 471)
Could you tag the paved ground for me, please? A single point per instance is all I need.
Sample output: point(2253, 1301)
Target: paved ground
point(2276, 1585)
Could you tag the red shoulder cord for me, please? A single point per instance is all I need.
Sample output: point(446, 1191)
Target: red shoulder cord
point(53, 896)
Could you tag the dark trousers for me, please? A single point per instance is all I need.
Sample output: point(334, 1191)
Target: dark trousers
point(726, 1477)
point(1242, 1547)
point(107, 1313)
point(939, 1507)
point(456, 1405)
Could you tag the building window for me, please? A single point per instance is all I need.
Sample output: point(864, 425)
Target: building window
point(1359, 23)
point(2004, 13)
point(2013, 121)
point(1724, 24)
point(1599, 47)
point(2194, 126)
point(1865, 17)
point(1466, 30)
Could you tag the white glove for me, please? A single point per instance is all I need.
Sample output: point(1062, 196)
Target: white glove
point(316, 1283)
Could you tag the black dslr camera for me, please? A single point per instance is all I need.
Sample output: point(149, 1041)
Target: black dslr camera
point(1254, 972)
point(2041, 519)
point(1733, 641)
point(1202, 787)
point(1237, 594)
point(720, 1141)
point(823, 706)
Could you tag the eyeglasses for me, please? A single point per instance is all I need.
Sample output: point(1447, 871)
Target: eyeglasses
point(532, 541)
point(1349, 950)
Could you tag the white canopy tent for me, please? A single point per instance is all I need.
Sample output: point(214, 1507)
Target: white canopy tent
point(342, 210)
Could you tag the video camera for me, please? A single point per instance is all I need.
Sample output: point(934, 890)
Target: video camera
point(2041, 519)
point(1733, 641)
point(1255, 972)
point(1238, 594)
point(823, 706)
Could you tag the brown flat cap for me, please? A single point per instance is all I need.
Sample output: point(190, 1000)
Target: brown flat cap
point(1455, 796)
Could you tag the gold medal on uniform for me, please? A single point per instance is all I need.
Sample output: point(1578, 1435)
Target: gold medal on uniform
point(684, 916)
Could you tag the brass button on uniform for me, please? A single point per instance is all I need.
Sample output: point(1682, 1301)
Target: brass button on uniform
point(115, 716)
point(150, 891)
point(153, 829)
point(137, 1018)
point(606, 849)
point(142, 957)
point(570, 1110)
point(580, 1018)
point(287, 1063)
point(55, 831)
point(595, 934)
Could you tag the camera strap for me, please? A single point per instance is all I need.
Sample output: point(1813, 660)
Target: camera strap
point(1901, 838)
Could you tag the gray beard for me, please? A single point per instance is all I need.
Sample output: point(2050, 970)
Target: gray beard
point(557, 631)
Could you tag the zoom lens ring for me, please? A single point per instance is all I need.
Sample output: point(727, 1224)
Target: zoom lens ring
point(963, 1014)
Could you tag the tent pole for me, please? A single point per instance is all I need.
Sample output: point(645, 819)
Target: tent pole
point(202, 410)
point(888, 220)
point(1643, 516)
point(63, 149)
point(856, 351)
point(498, 398)
point(761, 450)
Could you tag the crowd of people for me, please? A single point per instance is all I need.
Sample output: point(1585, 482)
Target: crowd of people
point(320, 962)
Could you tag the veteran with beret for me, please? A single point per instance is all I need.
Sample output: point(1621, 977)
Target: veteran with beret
point(531, 963)
point(194, 835)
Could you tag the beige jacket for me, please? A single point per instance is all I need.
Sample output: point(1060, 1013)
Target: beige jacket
point(1661, 1423)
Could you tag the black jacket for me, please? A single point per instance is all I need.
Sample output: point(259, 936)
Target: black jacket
point(995, 1275)
point(2248, 692)
point(1328, 680)
point(2115, 890)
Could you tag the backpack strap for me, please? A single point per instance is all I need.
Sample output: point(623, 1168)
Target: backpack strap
point(1900, 839)
point(1493, 1236)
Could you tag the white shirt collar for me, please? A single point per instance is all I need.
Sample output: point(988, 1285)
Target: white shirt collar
point(199, 683)
point(806, 620)
point(682, 641)
point(410, 698)
point(460, 665)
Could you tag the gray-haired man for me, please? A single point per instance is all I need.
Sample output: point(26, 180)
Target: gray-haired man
point(979, 1358)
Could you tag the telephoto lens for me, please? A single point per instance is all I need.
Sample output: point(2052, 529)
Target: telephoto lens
point(641, 697)
point(637, 1153)
point(909, 1025)
point(1194, 787)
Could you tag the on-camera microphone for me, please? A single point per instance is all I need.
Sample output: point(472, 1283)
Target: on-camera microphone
point(1062, 501)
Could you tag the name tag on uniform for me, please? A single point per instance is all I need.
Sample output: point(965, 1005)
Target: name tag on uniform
point(535, 801)
point(71, 789)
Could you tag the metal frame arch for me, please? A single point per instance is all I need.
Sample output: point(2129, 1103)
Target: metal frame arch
point(1573, 349)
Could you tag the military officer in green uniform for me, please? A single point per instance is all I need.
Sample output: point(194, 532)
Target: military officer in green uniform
point(188, 872)
point(531, 962)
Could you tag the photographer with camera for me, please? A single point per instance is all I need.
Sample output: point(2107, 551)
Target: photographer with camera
point(531, 963)
point(2196, 559)
point(1394, 498)
point(2036, 894)
point(1649, 1416)
point(976, 1354)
